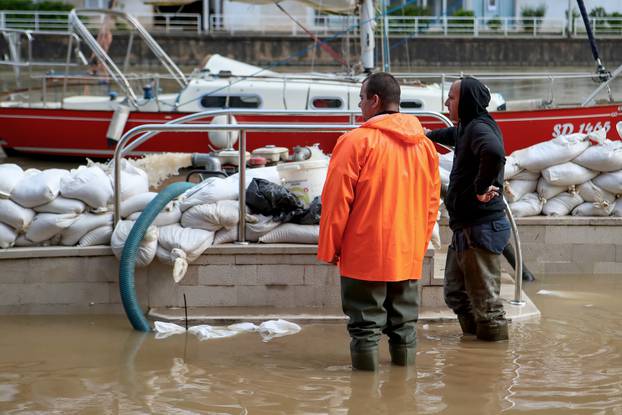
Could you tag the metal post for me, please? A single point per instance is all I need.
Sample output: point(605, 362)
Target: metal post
point(242, 181)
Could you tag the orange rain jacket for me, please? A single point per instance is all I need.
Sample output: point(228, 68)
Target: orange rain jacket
point(380, 200)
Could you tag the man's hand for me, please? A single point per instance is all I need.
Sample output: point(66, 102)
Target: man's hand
point(490, 194)
point(426, 131)
point(335, 260)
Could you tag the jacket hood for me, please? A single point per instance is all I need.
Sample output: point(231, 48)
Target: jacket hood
point(403, 127)
point(474, 98)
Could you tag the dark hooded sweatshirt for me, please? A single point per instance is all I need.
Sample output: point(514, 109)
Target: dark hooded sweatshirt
point(479, 158)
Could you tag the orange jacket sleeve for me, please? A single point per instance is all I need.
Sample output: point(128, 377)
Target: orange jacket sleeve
point(338, 193)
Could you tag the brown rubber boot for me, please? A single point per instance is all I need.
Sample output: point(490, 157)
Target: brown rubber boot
point(402, 356)
point(365, 360)
point(493, 330)
point(467, 324)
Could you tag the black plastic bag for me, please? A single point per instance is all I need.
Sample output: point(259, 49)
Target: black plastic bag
point(308, 216)
point(271, 199)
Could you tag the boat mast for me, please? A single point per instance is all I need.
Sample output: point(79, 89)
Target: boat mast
point(367, 24)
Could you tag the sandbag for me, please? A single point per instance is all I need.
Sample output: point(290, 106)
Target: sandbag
point(617, 208)
point(7, 236)
point(254, 231)
point(147, 248)
point(547, 191)
point(210, 190)
point(549, 153)
point(15, 215)
point(62, 205)
point(45, 226)
point(98, 236)
point(270, 174)
point(592, 209)
point(514, 190)
point(136, 203)
point(192, 241)
point(10, 175)
point(22, 241)
point(444, 176)
point(526, 175)
point(446, 161)
point(134, 181)
point(567, 174)
point(90, 185)
point(603, 157)
point(167, 216)
point(84, 224)
point(435, 240)
point(611, 182)
point(213, 216)
point(511, 168)
point(292, 233)
point(562, 204)
point(39, 188)
point(528, 205)
point(592, 193)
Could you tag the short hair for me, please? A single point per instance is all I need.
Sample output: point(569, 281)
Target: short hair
point(385, 86)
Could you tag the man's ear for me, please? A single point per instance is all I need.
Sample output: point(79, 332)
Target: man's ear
point(376, 99)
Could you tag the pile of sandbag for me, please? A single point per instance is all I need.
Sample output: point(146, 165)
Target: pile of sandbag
point(577, 174)
point(61, 207)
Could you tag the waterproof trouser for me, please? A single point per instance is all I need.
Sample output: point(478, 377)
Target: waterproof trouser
point(472, 284)
point(374, 308)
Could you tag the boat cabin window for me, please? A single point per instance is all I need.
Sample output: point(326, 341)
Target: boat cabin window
point(411, 104)
point(324, 103)
point(235, 101)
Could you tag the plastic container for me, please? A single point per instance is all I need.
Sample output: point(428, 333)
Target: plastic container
point(304, 178)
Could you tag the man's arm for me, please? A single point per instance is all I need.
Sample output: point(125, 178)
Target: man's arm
point(489, 149)
point(445, 136)
point(338, 195)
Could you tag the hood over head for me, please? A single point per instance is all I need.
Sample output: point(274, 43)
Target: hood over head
point(474, 98)
point(403, 127)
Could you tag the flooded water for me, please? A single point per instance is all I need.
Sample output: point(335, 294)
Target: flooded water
point(568, 361)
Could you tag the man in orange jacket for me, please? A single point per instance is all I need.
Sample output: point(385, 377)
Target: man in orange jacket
point(379, 206)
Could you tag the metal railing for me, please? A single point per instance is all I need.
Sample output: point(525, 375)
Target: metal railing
point(179, 125)
point(48, 20)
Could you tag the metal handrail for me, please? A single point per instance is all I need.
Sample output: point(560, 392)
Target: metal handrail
point(150, 130)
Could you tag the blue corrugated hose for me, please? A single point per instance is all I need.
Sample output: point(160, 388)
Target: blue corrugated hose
point(128, 257)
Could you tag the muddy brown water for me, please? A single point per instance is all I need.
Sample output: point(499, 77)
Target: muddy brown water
point(568, 361)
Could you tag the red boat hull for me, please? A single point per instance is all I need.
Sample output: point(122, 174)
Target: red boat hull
point(83, 133)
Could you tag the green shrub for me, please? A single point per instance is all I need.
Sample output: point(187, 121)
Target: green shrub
point(415, 11)
point(494, 24)
point(465, 25)
point(532, 12)
point(616, 22)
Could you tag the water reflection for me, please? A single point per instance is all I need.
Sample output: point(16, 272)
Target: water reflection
point(569, 361)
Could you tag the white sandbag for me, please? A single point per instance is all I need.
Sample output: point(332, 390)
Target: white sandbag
point(592, 193)
point(84, 224)
point(528, 205)
point(38, 189)
point(547, 191)
point(549, 153)
point(192, 241)
point(10, 175)
point(15, 215)
point(567, 174)
point(214, 216)
point(592, 209)
point(602, 157)
point(444, 177)
point(136, 203)
point(147, 248)
point(611, 182)
point(617, 208)
point(7, 236)
point(88, 184)
point(175, 257)
point(526, 175)
point(44, 226)
point(446, 161)
point(62, 205)
point(134, 181)
point(210, 190)
point(292, 233)
point(270, 174)
point(169, 215)
point(98, 236)
point(511, 168)
point(514, 190)
point(435, 240)
point(562, 204)
point(254, 231)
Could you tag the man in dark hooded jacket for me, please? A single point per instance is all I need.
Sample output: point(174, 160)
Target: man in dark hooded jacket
point(476, 212)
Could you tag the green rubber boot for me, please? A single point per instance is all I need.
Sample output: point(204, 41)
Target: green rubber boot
point(402, 356)
point(365, 360)
point(467, 324)
point(493, 331)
